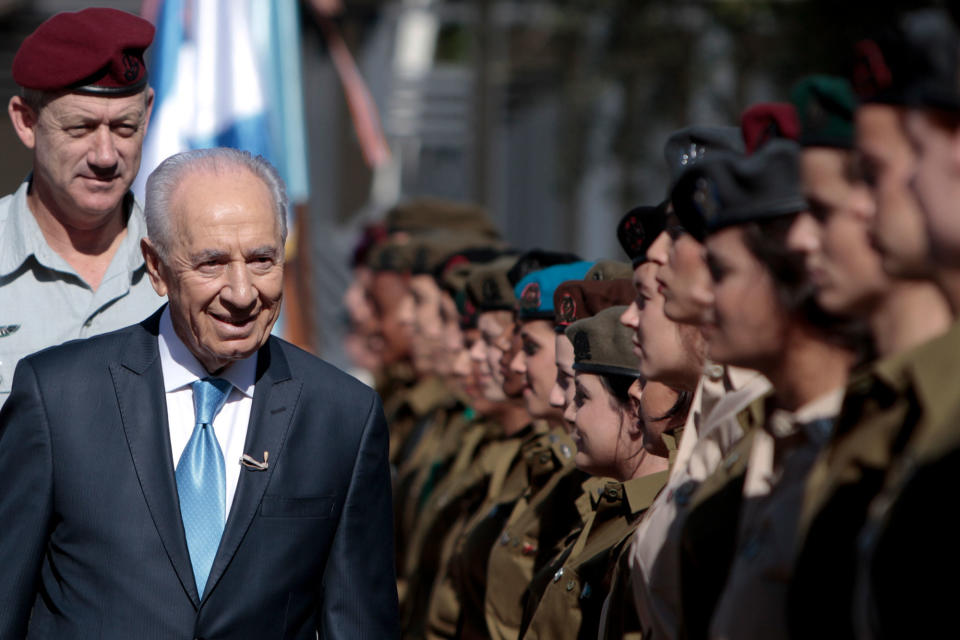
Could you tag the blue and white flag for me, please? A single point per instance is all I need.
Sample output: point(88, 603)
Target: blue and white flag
point(227, 74)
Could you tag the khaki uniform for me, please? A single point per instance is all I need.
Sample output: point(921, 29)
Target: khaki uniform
point(847, 475)
point(461, 583)
point(712, 429)
point(534, 534)
point(566, 597)
point(545, 459)
point(431, 407)
point(781, 456)
point(907, 550)
point(442, 512)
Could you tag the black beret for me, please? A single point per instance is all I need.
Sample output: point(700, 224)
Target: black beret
point(91, 51)
point(730, 189)
point(637, 230)
point(914, 63)
point(690, 145)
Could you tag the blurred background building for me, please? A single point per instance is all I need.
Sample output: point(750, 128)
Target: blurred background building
point(552, 113)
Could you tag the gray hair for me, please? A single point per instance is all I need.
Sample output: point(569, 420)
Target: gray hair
point(163, 182)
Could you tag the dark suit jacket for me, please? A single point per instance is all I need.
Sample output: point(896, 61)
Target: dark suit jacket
point(91, 539)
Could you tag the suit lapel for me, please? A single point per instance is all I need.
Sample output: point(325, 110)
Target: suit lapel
point(275, 398)
point(138, 382)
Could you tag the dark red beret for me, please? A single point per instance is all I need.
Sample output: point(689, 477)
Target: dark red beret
point(578, 299)
point(91, 51)
point(765, 121)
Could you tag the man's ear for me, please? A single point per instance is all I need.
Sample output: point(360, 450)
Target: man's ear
point(155, 267)
point(24, 120)
point(149, 110)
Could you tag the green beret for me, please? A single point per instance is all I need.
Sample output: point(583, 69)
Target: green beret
point(424, 215)
point(602, 345)
point(489, 288)
point(733, 189)
point(609, 270)
point(431, 250)
point(825, 106)
point(392, 255)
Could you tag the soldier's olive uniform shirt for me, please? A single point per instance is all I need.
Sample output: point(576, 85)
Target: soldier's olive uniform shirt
point(846, 476)
point(566, 597)
point(781, 456)
point(534, 534)
point(712, 429)
point(908, 556)
point(44, 302)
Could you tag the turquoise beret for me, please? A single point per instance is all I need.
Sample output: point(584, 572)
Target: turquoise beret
point(534, 292)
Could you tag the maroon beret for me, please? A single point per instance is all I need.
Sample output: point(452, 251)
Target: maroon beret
point(91, 51)
point(578, 299)
point(765, 121)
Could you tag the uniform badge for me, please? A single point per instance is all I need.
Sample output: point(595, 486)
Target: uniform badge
point(490, 290)
point(631, 233)
point(693, 154)
point(816, 115)
point(567, 309)
point(530, 297)
point(870, 72)
point(705, 199)
point(131, 67)
point(581, 346)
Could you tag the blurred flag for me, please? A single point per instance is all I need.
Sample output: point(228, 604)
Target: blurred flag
point(227, 73)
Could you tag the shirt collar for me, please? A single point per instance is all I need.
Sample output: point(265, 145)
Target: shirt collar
point(181, 368)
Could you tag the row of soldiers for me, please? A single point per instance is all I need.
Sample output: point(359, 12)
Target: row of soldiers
point(747, 431)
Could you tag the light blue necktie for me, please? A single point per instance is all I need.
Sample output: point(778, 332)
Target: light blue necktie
point(201, 480)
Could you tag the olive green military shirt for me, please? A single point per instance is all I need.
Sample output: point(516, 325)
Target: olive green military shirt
point(567, 596)
point(907, 551)
point(532, 536)
point(44, 302)
point(846, 477)
point(780, 459)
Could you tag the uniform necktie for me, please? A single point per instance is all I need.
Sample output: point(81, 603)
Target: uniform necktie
point(201, 480)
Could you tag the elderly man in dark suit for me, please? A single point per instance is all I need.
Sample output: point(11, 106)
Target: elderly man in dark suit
point(193, 476)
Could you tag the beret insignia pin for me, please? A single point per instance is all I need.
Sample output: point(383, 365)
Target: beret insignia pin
point(581, 346)
point(705, 199)
point(693, 154)
point(489, 289)
point(530, 297)
point(131, 67)
point(567, 312)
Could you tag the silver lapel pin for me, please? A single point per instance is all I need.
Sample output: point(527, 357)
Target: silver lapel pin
point(8, 329)
point(255, 465)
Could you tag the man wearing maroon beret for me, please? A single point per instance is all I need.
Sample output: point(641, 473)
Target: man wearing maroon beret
point(70, 261)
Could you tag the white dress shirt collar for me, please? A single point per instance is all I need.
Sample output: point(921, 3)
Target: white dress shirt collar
point(181, 367)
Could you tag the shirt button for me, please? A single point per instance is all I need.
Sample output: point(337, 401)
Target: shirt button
point(570, 585)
